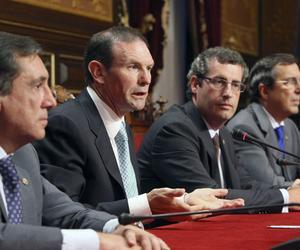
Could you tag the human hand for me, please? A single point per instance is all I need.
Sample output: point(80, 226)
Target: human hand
point(135, 236)
point(208, 198)
point(163, 200)
point(115, 242)
point(295, 184)
point(294, 197)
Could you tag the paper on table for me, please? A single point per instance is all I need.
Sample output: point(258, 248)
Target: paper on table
point(284, 226)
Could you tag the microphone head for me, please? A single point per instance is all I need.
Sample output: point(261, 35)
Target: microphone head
point(240, 135)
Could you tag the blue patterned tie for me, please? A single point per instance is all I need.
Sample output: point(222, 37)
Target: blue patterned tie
point(125, 165)
point(11, 186)
point(280, 136)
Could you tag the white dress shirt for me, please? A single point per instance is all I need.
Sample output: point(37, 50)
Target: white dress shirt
point(283, 191)
point(138, 205)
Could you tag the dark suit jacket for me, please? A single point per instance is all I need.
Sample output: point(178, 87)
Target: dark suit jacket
point(177, 151)
point(42, 204)
point(258, 163)
point(77, 156)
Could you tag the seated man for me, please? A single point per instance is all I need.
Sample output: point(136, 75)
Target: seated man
point(190, 147)
point(88, 150)
point(275, 95)
point(34, 214)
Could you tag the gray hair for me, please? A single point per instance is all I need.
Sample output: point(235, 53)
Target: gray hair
point(99, 47)
point(12, 46)
point(200, 65)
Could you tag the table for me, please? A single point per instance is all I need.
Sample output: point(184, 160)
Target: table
point(230, 232)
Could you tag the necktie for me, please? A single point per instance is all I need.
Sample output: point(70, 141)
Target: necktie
point(125, 165)
point(280, 136)
point(11, 186)
point(216, 142)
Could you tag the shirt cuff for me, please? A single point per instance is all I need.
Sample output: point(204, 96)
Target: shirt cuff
point(139, 205)
point(286, 198)
point(80, 239)
point(111, 225)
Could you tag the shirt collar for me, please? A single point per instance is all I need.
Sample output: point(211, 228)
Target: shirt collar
point(111, 121)
point(211, 131)
point(274, 123)
point(3, 154)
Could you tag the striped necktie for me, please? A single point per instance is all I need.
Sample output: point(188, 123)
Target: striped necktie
point(125, 165)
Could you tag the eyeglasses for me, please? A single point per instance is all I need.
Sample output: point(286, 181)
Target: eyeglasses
point(290, 82)
point(220, 83)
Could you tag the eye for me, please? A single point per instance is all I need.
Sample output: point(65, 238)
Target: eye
point(149, 68)
point(236, 84)
point(133, 66)
point(220, 81)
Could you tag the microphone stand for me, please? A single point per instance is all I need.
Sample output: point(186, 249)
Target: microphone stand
point(125, 219)
point(243, 136)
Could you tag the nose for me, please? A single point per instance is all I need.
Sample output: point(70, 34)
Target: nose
point(49, 100)
point(145, 77)
point(228, 90)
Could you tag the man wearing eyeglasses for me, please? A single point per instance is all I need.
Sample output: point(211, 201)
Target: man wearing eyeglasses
point(275, 95)
point(189, 146)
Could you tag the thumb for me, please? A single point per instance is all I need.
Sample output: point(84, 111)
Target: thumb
point(175, 192)
point(220, 192)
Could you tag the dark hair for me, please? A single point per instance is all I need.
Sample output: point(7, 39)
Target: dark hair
point(200, 65)
point(263, 72)
point(11, 47)
point(99, 47)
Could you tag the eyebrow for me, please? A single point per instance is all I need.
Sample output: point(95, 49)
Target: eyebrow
point(39, 79)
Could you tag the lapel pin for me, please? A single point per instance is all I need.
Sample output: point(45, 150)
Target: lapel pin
point(25, 181)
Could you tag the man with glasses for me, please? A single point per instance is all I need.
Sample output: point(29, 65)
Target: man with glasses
point(189, 146)
point(275, 95)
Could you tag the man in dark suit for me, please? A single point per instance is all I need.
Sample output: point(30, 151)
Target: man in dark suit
point(34, 214)
point(275, 94)
point(80, 154)
point(189, 145)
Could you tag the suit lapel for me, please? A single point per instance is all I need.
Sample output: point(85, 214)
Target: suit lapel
point(3, 214)
point(230, 173)
point(102, 139)
point(200, 125)
point(267, 130)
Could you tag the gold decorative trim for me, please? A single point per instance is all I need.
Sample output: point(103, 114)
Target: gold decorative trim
point(79, 58)
point(123, 14)
point(49, 61)
point(34, 27)
point(96, 9)
point(165, 15)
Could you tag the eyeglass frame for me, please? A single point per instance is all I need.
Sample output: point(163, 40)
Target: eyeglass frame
point(211, 80)
point(290, 82)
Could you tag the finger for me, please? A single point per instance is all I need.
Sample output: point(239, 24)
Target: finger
point(199, 216)
point(145, 242)
point(176, 192)
point(163, 245)
point(130, 237)
point(219, 192)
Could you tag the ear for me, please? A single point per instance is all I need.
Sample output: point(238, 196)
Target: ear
point(263, 91)
point(194, 84)
point(97, 71)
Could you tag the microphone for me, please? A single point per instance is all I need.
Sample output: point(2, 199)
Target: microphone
point(284, 162)
point(125, 219)
point(244, 136)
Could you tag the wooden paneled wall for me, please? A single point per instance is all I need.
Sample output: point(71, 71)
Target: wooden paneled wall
point(63, 27)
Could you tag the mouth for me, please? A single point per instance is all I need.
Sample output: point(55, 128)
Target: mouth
point(139, 95)
point(225, 106)
point(44, 121)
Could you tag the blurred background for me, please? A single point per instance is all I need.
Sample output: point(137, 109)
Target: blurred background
point(177, 30)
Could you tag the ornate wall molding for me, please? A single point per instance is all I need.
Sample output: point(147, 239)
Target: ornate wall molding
point(97, 9)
